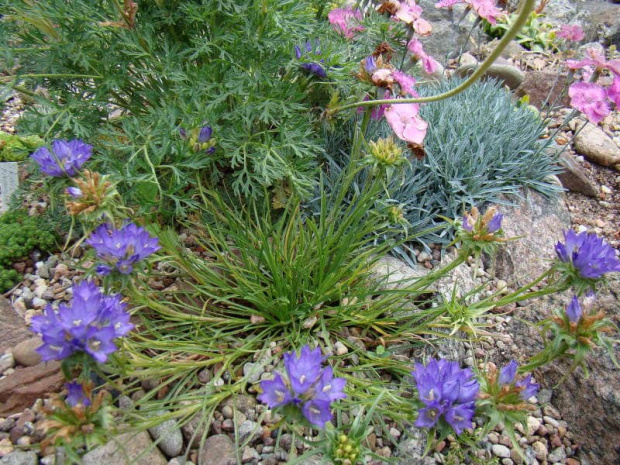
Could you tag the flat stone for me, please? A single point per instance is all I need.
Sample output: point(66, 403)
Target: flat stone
point(13, 329)
point(126, 449)
point(573, 178)
point(19, 390)
point(243, 403)
point(217, 450)
point(596, 146)
point(25, 353)
point(20, 457)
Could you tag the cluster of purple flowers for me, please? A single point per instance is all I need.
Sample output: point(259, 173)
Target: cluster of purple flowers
point(526, 386)
point(308, 385)
point(308, 65)
point(587, 254)
point(122, 248)
point(448, 392)
point(90, 325)
point(65, 159)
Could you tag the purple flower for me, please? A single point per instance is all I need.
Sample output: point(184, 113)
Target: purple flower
point(90, 325)
point(275, 392)
point(308, 385)
point(508, 373)
point(308, 65)
point(303, 371)
point(529, 387)
point(121, 248)
point(76, 395)
point(589, 255)
point(570, 32)
point(370, 65)
point(447, 392)
point(74, 192)
point(65, 159)
point(495, 224)
point(573, 311)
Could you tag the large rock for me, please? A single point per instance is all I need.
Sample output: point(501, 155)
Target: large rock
point(544, 88)
point(541, 221)
point(596, 146)
point(19, 390)
point(602, 23)
point(126, 449)
point(13, 329)
point(449, 36)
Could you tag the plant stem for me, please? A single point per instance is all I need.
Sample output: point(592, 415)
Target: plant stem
point(527, 7)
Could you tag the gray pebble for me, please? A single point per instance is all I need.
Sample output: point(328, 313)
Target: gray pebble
point(20, 457)
point(168, 436)
point(500, 450)
point(6, 361)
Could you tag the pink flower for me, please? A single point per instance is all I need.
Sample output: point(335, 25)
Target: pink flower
point(597, 59)
point(406, 122)
point(448, 3)
point(613, 92)
point(486, 9)
point(422, 27)
point(589, 98)
point(429, 64)
point(408, 12)
point(406, 82)
point(571, 32)
point(346, 21)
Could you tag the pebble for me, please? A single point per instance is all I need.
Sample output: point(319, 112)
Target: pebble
point(25, 353)
point(551, 421)
point(540, 450)
point(6, 361)
point(5, 447)
point(169, 436)
point(500, 450)
point(340, 348)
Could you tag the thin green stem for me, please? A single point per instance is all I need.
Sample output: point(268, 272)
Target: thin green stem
point(86, 76)
point(527, 7)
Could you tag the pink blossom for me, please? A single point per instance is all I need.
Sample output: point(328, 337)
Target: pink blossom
point(570, 32)
point(406, 82)
point(346, 21)
point(448, 3)
point(406, 122)
point(429, 64)
point(408, 12)
point(589, 98)
point(422, 27)
point(382, 77)
point(613, 92)
point(597, 59)
point(486, 9)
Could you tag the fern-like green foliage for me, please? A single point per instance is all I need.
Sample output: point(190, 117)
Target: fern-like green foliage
point(127, 83)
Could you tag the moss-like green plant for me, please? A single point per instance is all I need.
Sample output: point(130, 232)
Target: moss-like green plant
point(17, 148)
point(20, 234)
